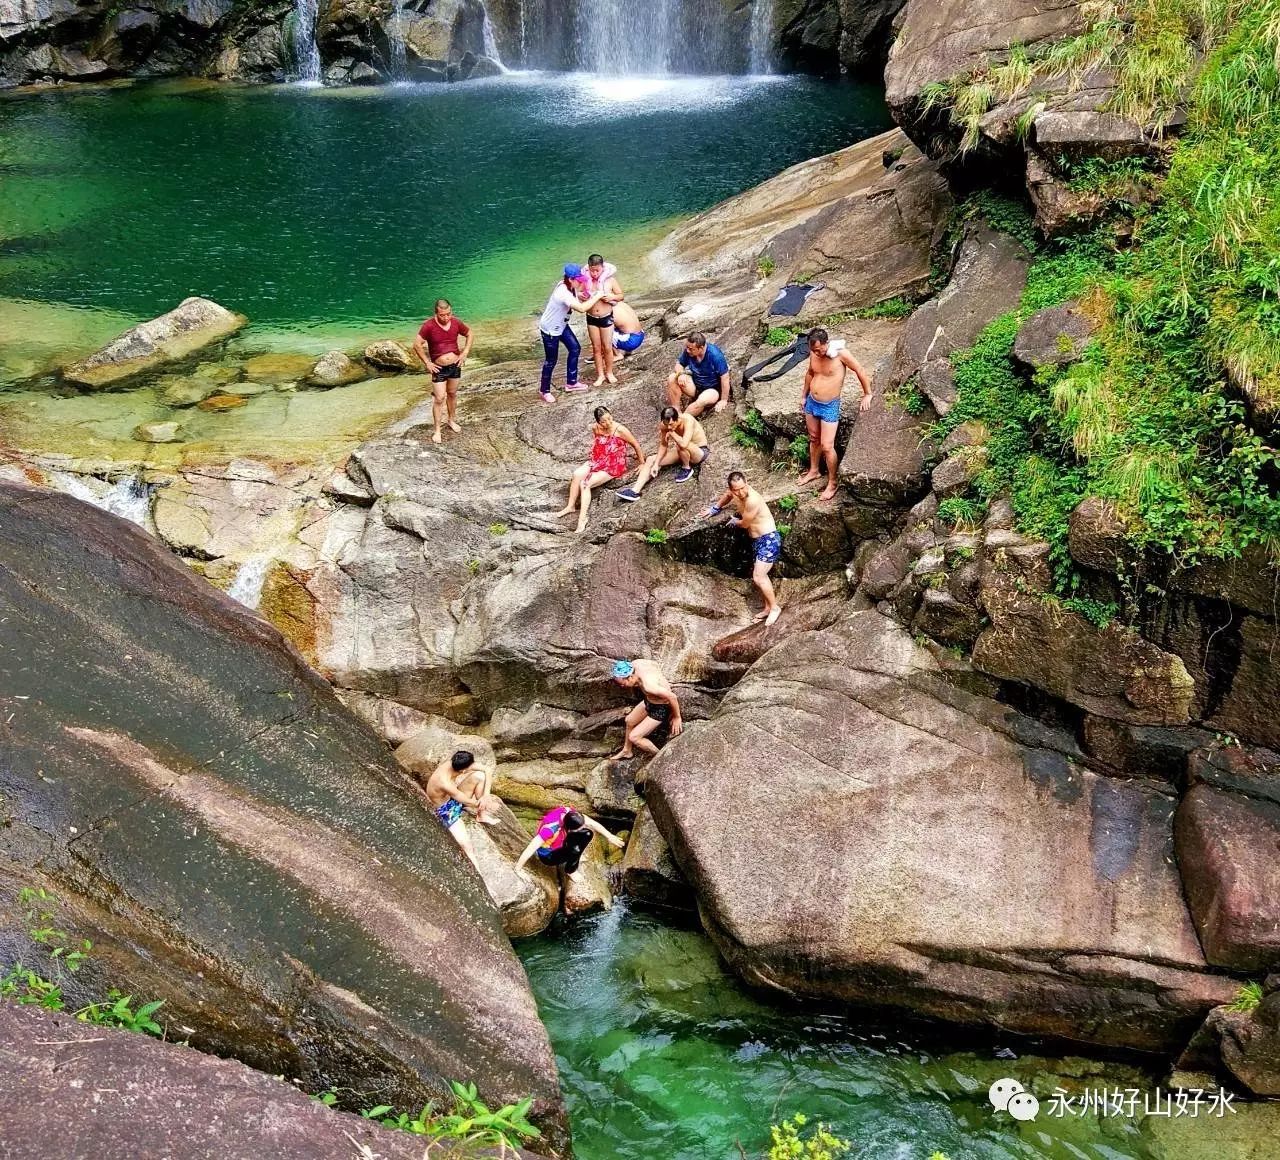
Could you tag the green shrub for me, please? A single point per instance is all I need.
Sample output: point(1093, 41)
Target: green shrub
point(1247, 998)
point(798, 450)
point(470, 1120)
point(751, 431)
point(784, 530)
point(960, 512)
point(779, 336)
point(789, 503)
point(656, 536)
point(1099, 613)
point(906, 397)
point(765, 265)
point(498, 529)
point(790, 1141)
point(898, 307)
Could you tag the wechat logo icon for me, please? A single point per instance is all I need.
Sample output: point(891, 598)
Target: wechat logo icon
point(1008, 1095)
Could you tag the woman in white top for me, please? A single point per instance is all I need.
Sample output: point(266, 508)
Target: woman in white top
point(555, 329)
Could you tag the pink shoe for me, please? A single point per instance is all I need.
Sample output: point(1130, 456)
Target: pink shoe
point(547, 396)
point(575, 388)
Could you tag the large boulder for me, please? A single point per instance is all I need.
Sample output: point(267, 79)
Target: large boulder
point(862, 221)
point(120, 1088)
point(245, 849)
point(998, 880)
point(828, 35)
point(191, 326)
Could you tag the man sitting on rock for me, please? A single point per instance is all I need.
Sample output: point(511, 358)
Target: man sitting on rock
point(562, 838)
point(680, 439)
point(449, 800)
point(701, 377)
point(659, 710)
point(755, 516)
point(829, 362)
point(437, 347)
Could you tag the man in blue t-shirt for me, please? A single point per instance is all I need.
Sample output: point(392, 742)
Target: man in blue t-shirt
point(701, 377)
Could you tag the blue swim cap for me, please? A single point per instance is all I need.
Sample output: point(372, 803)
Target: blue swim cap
point(573, 270)
point(623, 669)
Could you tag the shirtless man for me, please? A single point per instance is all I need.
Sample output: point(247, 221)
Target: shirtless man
point(437, 348)
point(628, 334)
point(658, 709)
point(680, 439)
point(602, 280)
point(449, 800)
point(754, 515)
point(829, 362)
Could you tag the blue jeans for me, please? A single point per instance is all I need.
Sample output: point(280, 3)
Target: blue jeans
point(551, 348)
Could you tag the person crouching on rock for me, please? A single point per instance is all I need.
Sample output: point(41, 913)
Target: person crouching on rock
point(437, 347)
point(754, 515)
point(562, 838)
point(701, 377)
point(682, 440)
point(829, 363)
point(628, 334)
point(608, 461)
point(656, 717)
point(450, 797)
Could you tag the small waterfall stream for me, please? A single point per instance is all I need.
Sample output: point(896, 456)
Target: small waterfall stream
point(129, 498)
point(761, 62)
point(491, 41)
point(620, 38)
point(398, 65)
point(306, 56)
point(246, 586)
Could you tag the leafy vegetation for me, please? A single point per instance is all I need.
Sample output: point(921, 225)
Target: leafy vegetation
point(897, 307)
point(29, 985)
point(656, 536)
point(907, 397)
point(957, 511)
point(765, 265)
point(798, 450)
point(1247, 998)
point(498, 529)
point(789, 1140)
point(779, 336)
point(470, 1120)
point(789, 503)
point(752, 431)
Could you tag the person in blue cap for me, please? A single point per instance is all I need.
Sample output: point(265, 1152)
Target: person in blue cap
point(657, 715)
point(569, 294)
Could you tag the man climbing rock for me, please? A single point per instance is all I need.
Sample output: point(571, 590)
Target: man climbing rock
point(754, 515)
point(450, 796)
point(562, 838)
point(658, 714)
point(829, 363)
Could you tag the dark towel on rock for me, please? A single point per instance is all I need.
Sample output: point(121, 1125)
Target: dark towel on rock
point(791, 299)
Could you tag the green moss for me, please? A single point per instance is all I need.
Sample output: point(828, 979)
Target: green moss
point(898, 307)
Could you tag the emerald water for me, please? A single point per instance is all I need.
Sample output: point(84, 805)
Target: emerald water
point(662, 1054)
point(346, 212)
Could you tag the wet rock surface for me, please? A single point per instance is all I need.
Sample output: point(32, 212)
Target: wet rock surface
point(245, 849)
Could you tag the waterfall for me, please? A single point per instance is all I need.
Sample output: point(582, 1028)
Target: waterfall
point(246, 586)
point(761, 36)
point(622, 38)
point(306, 56)
point(491, 41)
point(129, 498)
point(395, 42)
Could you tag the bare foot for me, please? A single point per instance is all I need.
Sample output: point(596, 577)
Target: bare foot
point(563, 512)
point(454, 427)
point(810, 477)
point(611, 378)
point(829, 493)
point(622, 755)
point(435, 438)
point(759, 616)
point(774, 613)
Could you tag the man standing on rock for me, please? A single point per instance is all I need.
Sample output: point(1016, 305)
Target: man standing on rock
point(755, 516)
point(659, 709)
point(682, 440)
point(701, 377)
point(437, 347)
point(448, 799)
point(829, 362)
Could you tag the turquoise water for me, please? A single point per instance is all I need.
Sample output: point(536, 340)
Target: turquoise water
point(351, 210)
point(663, 1055)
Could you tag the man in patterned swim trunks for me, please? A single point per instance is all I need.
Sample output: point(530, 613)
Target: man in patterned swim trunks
point(450, 802)
point(754, 515)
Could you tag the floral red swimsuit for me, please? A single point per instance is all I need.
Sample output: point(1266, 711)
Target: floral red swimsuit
point(609, 454)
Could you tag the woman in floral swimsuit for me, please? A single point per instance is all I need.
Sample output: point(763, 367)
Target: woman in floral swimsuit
point(608, 461)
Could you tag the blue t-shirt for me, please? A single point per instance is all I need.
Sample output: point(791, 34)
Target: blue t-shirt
point(707, 372)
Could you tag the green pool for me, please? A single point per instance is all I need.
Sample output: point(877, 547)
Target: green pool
point(322, 213)
point(663, 1056)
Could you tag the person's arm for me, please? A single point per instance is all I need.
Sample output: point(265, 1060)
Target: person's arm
point(457, 793)
point(627, 437)
point(466, 347)
point(605, 834)
point(723, 401)
point(615, 291)
point(529, 851)
point(583, 307)
point(864, 379)
point(808, 382)
point(420, 349)
point(716, 508)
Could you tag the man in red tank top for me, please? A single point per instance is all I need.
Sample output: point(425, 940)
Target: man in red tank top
point(437, 345)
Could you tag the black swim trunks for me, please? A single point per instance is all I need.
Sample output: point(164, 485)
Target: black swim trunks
point(659, 711)
point(452, 371)
point(603, 321)
point(570, 851)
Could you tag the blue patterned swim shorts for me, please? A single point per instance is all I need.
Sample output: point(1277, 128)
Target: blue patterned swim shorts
point(449, 813)
point(768, 547)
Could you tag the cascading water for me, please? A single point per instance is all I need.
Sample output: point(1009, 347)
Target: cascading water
point(397, 65)
point(491, 41)
point(246, 586)
point(306, 56)
point(761, 61)
point(621, 38)
point(129, 498)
